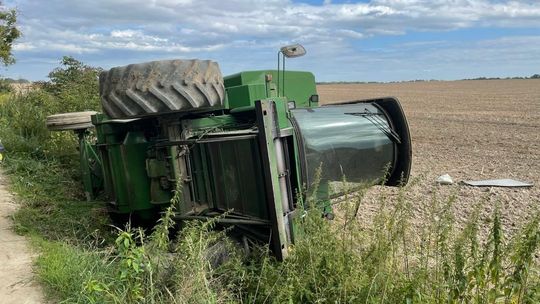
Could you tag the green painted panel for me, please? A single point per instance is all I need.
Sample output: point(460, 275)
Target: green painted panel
point(227, 176)
point(282, 112)
point(295, 85)
point(117, 190)
point(242, 96)
point(134, 160)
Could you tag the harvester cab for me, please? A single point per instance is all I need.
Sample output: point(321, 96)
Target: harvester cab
point(243, 150)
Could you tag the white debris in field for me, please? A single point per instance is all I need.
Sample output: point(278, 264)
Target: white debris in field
point(444, 180)
point(506, 182)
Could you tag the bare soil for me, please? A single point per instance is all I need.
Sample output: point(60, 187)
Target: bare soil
point(471, 130)
point(17, 285)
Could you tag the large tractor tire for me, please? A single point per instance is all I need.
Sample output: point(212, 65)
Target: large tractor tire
point(70, 121)
point(161, 87)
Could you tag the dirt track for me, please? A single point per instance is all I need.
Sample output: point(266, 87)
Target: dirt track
point(470, 130)
point(17, 285)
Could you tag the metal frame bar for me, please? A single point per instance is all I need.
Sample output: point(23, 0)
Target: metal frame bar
point(267, 134)
point(188, 142)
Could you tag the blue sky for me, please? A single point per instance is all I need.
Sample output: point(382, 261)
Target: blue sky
point(377, 40)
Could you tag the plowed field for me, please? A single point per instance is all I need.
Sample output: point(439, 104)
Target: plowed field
point(470, 130)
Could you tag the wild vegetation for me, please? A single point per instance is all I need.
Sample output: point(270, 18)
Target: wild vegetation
point(390, 259)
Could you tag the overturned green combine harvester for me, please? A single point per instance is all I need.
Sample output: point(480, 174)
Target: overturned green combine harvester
point(243, 149)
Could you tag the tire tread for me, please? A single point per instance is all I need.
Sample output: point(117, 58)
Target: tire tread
point(161, 87)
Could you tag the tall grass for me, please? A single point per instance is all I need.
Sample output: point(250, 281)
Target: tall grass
point(388, 260)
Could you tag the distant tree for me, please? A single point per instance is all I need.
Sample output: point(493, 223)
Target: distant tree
point(8, 34)
point(535, 76)
point(20, 80)
point(5, 86)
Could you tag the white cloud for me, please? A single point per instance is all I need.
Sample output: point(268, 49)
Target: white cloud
point(194, 24)
point(125, 34)
point(23, 46)
point(351, 34)
point(249, 28)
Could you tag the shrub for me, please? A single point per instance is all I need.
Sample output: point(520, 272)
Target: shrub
point(22, 118)
point(75, 85)
point(5, 86)
point(72, 87)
